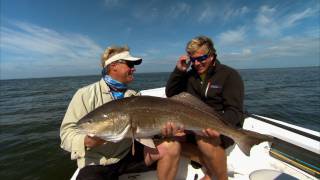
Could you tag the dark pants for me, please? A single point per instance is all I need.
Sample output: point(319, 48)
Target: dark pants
point(129, 164)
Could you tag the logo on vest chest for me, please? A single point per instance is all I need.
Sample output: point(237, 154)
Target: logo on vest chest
point(215, 86)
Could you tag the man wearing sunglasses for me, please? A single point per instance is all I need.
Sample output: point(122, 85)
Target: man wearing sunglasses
point(98, 159)
point(219, 86)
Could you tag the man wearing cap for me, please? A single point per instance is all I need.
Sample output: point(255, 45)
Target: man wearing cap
point(99, 159)
point(219, 86)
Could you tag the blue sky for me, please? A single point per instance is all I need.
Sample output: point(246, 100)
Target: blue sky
point(66, 37)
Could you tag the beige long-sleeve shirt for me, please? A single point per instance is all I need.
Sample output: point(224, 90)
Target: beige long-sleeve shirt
point(84, 101)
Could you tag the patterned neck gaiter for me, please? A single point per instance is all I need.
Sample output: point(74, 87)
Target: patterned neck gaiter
point(117, 88)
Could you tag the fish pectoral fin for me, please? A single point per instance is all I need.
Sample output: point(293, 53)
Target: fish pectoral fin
point(115, 137)
point(147, 142)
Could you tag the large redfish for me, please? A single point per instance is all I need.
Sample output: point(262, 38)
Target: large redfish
point(144, 116)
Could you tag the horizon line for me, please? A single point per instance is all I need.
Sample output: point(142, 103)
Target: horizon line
point(68, 76)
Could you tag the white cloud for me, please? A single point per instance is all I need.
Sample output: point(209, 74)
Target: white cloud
point(270, 23)
point(233, 36)
point(293, 46)
point(293, 18)
point(313, 32)
point(224, 12)
point(151, 52)
point(265, 22)
point(244, 10)
point(34, 48)
point(111, 3)
point(230, 13)
point(206, 15)
point(146, 16)
point(283, 49)
point(246, 52)
point(179, 10)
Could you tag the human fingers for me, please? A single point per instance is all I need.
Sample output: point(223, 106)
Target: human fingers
point(183, 63)
point(169, 128)
point(212, 133)
point(174, 128)
point(204, 133)
point(164, 130)
point(93, 141)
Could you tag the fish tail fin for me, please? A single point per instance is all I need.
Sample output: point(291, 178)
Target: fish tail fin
point(249, 139)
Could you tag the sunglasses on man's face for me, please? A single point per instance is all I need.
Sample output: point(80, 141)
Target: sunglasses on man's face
point(130, 64)
point(199, 59)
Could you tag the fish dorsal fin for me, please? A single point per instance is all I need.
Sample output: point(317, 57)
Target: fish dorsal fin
point(191, 100)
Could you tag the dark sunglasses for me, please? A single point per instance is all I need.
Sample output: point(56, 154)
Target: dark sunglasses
point(199, 59)
point(130, 64)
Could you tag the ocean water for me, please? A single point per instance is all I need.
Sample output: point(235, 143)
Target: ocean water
point(31, 111)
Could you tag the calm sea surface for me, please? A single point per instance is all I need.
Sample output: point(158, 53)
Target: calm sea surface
point(31, 111)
